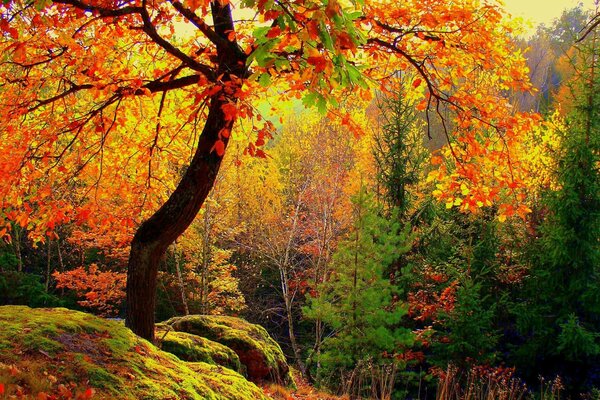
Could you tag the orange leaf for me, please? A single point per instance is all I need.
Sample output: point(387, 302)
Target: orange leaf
point(64, 391)
point(194, 4)
point(436, 160)
point(91, 296)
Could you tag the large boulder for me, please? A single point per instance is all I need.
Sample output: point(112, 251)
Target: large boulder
point(258, 352)
point(194, 348)
point(66, 354)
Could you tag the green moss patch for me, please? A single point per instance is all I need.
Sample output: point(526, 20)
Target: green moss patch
point(194, 348)
point(55, 350)
point(258, 352)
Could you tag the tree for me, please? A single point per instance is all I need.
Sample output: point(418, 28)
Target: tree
point(292, 227)
point(559, 316)
point(398, 148)
point(101, 95)
point(358, 303)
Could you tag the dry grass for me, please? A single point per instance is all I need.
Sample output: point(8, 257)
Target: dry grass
point(303, 391)
point(480, 383)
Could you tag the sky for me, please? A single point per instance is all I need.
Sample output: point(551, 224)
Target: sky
point(542, 11)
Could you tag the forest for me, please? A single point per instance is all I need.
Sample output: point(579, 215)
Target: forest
point(298, 199)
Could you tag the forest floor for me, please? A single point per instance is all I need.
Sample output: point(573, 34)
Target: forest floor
point(303, 391)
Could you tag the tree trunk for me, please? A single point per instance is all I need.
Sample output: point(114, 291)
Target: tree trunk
point(206, 256)
point(48, 265)
point(293, 342)
point(155, 235)
point(17, 243)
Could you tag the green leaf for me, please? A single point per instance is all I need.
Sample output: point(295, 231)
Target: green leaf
point(264, 80)
point(325, 37)
point(354, 15)
point(261, 33)
point(309, 99)
point(322, 105)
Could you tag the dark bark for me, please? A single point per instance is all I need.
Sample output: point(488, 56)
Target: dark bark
point(156, 234)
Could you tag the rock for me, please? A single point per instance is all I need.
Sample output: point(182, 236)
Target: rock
point(66, 354)
point(257, 351)
point(194, 348)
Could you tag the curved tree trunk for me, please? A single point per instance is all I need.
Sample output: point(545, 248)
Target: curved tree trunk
point(156, 234)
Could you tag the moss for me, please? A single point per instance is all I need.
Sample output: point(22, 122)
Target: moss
point(104, 355)
point(228, 383)
point(189, 347)
point(33, 342)
point(259, 353)
point(99, 377)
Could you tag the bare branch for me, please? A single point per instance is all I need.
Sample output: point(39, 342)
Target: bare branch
point(593, 24)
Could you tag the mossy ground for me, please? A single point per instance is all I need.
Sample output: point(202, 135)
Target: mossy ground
point(194, 348)
point(46, 350)
point(261, 355)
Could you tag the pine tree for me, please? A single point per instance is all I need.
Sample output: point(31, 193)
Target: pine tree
point(359, 303)
point(560, 318)
point(398, 149)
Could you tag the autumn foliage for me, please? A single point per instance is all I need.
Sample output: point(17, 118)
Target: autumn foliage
point(103, 291)
point(202, 157)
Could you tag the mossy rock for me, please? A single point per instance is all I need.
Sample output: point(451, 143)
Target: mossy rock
point(194, 348)
point(56, 350)
point(258, 352)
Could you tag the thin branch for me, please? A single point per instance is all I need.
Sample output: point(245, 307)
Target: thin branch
point(593, 24)
point(102, 11)
point(200, 24)
point(151, 31)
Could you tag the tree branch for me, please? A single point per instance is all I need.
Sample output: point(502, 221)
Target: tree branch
point(199, 23)
point(151, 31)
point(101, 11)
point(593, 24)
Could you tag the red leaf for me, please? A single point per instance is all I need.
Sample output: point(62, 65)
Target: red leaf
point(318, 62)
point(274, 32)
point(219, 147)
point(230, 111)
point(1, 388)
point(88, 394)
point(224, 133)
point(417, 82)
point(260, 154)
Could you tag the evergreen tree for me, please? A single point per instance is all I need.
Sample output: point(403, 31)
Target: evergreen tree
point(359, 303)
point(560, 316)
point(398, 148)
